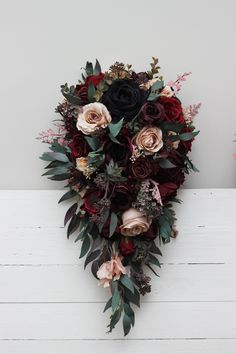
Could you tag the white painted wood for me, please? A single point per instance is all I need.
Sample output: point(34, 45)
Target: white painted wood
point(62, 283)
point(192, 346)
point(201, 207)
point(86, 321)
point(46, 298)
point(50, 246)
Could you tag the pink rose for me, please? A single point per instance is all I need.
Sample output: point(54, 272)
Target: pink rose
point(149, 139)
point(93, 117)
point(111, 270)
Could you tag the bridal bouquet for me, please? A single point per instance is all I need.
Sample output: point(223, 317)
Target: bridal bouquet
point(121, 144)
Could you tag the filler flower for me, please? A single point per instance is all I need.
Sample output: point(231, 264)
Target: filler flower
point(149, 139)
point(111, 270)
point(93, 117)
point(134, 223)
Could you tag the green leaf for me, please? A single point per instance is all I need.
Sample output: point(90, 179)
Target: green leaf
point(93, 142)
point(97, 70)
point(82, 228)
point(68, 195)
point(70, 94)
point(126, 324)
point(89, 68)
point(127, 282)
point(91, 92)
point(164, 163)
point(116, 127)
point(133, 297)
point(152, 259)
point(85, 246)
point(105, 217)
point(61, 177)
point(70, 212)
point(73, 225)
point(108, 305)
point(155, 249)
point(116, 299)
point(129, 312)
point(113, 139)
point(155, 90)
point(113, 224)
point(56, 171)
point(51, 156)
point(91, 257)
point(183, 136)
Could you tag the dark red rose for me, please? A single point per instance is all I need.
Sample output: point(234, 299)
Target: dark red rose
point(120, 153)
point(152, 232)
point(185, 146)
point(151, 112)
point(174, 175)
point(82, 89)
point(127, 246)
point(167, 190)
point(79, 146)
point(95, 79)
point(141, 168)
point(173, 109)
point(122, 197)
point(90, 200)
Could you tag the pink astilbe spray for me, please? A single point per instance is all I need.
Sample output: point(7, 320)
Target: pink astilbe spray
point(49, 135)
point(190, 112)
point(177, 85)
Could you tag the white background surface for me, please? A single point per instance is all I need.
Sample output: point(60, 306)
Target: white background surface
point(50, 305)
point(45, 43)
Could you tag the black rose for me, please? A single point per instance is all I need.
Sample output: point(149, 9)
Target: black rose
point(120, 153)
point(124, 98)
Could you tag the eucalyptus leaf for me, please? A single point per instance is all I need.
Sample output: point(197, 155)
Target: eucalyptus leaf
point(115, 127)
point(164, 163)
point(127, 282)
point(97, 70)
point(85, 246)
point(93, 142)
point(68, 195)
point(91, 92)
point(113, 224)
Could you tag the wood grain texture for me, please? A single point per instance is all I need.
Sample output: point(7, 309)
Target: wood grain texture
point(47, 299)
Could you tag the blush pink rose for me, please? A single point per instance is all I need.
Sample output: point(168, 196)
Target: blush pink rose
point(111, 270)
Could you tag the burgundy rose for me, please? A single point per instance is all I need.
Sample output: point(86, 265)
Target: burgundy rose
point(90, 200)
point(82, 89)
point(151, 112)
point(152, 232)
point(167, 190)
point(79, 146)
point(120, 153)
point(123, 196)
point(127, 246)
point(174, 175)
point(173, 109)
point(141, 168)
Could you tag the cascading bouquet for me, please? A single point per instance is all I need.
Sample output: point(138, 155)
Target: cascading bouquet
point(121, 144)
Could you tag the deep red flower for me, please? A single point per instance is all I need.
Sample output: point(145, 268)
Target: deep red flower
point(173, 109)
point(82, 89)
point(167, 190)
point(90, 200)
point(127, 246)
point(151, 113)
point(79, 146)
point(141, 168)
